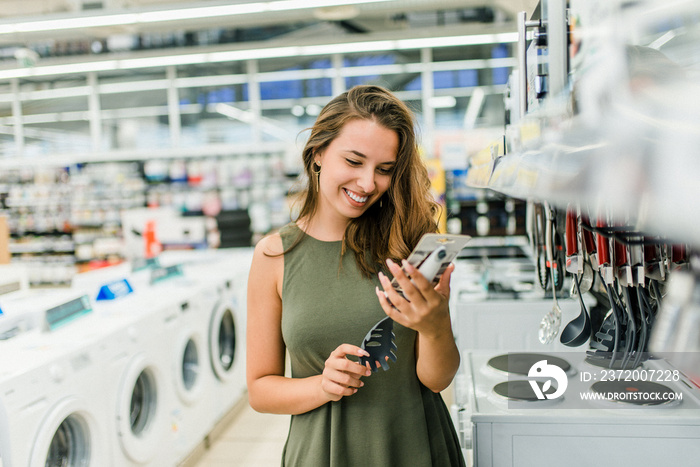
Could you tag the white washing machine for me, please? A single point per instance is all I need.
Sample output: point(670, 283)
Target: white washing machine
point(14, 285)
point(226, 272)
point(137, 392)
point(191, 378)
point(168, 322)
point(148, 354)
point(52, 392)
point(227, 328)
point(136, 380)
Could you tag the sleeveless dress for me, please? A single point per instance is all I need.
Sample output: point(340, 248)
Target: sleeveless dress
point(393, 420)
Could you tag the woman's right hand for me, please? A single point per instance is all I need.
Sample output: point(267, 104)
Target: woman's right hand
point(341, 376)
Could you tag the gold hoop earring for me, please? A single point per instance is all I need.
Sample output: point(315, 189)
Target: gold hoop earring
point(380, 203)
point(318, 175)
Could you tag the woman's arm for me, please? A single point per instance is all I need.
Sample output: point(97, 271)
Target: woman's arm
point(268, 389)
point(427, 312)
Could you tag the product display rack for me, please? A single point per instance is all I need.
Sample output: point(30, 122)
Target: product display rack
point(67, 219)
point(621, 138)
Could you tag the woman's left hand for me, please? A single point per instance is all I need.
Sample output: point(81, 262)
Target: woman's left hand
point(425, 308)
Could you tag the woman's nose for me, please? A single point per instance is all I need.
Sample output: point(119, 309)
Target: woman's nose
point(366, 181)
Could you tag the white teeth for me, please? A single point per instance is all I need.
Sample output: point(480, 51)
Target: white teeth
point(354, 197)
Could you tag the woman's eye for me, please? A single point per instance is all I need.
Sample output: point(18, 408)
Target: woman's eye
point(353, 162)
point(384, 171)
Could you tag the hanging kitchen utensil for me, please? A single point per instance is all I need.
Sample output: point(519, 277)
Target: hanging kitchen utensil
point(587, 254)
point(578, 331)
point(622, 273)
point(589, 242)
point(630, 328)
point(605, 271)
point(540, 246)
point(551, 322)
point(617, 320)
point(573, 252)
point(644, 329)
point(379, 344)
point(558, 260)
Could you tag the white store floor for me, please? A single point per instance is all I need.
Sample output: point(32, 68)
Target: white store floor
point(251, 439)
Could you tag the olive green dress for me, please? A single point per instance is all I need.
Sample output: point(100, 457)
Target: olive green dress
point(393, 420)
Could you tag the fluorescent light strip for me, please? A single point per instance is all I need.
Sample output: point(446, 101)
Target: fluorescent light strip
point(166, 60)
point(252, 54)
point(125, 19)
point(475, 39)
point(72, 68)
point(72, 23)
point(372, 46)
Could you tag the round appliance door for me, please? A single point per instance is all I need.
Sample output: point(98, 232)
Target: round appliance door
point(67, 437)
point(139, 412)
point(188, 367)
point(222, 340)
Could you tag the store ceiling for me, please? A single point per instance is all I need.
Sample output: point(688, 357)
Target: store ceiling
point(377, 18)
point(361, 17)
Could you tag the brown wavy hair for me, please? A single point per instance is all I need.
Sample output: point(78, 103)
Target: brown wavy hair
point(408, 208)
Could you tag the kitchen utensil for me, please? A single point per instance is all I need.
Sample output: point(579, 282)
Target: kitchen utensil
point(578, 331)
point(644, 329)
point(617, 323)
point(379, 344)
point(630, 329)
point(558, 260)
point(589, 254)
point(549, 326)
point(573, 253)
point(540, 246)
point(586, 280)
point(588, 240)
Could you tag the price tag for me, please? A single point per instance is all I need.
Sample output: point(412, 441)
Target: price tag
point(144, 263)
point(116, 289)
point(67, 312)
point(161, 274)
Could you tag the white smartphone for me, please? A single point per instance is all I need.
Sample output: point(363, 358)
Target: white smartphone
point(433, 254)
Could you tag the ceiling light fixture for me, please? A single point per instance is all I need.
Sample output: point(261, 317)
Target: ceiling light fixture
point(149, 17)
point(442, 102)
point(254, 54)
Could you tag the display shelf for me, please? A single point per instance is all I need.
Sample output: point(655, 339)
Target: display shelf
point(633, 167)
point(76, 211)
point(620, 142)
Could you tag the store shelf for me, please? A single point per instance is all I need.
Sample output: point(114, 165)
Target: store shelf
point(621, 140)
point(638, 165)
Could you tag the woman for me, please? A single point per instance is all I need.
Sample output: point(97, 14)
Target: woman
point(313, 292)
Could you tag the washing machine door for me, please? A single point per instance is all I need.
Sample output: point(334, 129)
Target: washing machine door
point(222, 340)
point(188, 367)
point(67, 437)
point(140, 411)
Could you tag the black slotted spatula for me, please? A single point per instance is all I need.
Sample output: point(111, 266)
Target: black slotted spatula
point(379, 344)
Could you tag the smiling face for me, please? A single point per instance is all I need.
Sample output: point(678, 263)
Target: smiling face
point(356, 169)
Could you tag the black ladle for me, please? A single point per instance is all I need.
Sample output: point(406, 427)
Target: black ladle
point(578, 331)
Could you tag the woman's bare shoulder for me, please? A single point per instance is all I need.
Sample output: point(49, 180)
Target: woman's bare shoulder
point(270, 246)
point(267, 269)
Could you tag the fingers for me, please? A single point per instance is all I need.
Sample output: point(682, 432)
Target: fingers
point(393, 298)
point(341, 377)
point(443, 287)
point(344, 350)
point(424, 304)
